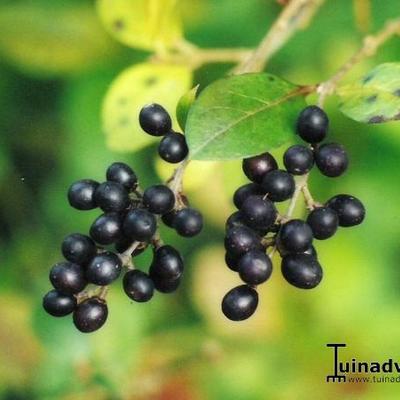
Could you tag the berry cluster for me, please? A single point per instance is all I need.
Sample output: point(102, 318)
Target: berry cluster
point(257, 224)
point(129, 223)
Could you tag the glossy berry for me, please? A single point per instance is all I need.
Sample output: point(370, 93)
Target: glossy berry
point(167, 263)
point(311, 252)
point(155, 120)
point(123, 174)
point(240, 303)
point(235, 220)
point(112, 196)
point(295, 236)
point(245, 191)
point(255, 267)
point(259, 212)
point(104, 269)
point(240, 240)
point(78, 248)
point(323, 222)
point(138, 286)
point(312, 124)
point(164, 285)
point(159, 199)
point(301, 270)
point(298, 159)
point(140, 225)
point(169, 218)
point(331, 159)
point(67, 277)
point(90, 315)
point(255, 168)
point(188, 222)
point(107, 228)
point(279, 185)
point(232, 261)
point(81, 194)
point(173, 148)
point(349, 209)
point(58, 304)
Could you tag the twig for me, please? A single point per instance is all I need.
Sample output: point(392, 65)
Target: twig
point(296, 15)
point(175, 183)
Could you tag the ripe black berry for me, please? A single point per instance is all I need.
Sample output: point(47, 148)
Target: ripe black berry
point(279, 185)
point(349, 209)
point(169, 218)
point(240, 240)
point(240, 303)
point(302, 270)
point(104, 269)
point(58, 304)
point(255, 267)
point(295, 236)
point(67, 277)
point(107, 228)
point(331, 159)
point(81, 194)
point(232, 261)
point(323, 222)
point(140, 225)
point(138, 286)
point(255, 168)
point(259, 212)
point(173, 148)
point(311, 252)
point(90, 315)
point(123, 174)
point(235, 220)
point(155, 120)
point(245, 191)
point(164, 285)
point(298, 159)
point(112, 196)
point(188, 222)
point(312, 124)
point(159, 199)
point(78, 248)
point(167, 263)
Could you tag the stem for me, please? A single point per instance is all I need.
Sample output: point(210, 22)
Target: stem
point(175, 183)
point(296, 15)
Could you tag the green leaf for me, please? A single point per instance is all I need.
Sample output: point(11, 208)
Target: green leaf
point(375, 98)
point(144, 24)
point(184, 104)
point(241, 116)
point(135, 87)
point(53, 40)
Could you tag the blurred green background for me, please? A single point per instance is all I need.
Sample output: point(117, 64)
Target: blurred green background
point(56, 63)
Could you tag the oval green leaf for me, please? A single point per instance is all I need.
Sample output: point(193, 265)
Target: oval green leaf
point(183, 107)
point(135, 87)
point(241, 116)
point(375, 98)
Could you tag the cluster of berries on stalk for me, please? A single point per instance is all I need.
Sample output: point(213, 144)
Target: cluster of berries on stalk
point(127, 227)
point(257, 224)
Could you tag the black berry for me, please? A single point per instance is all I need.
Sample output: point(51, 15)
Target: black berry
point(107, 228)
point(257, 167)
point(140, 225)
point(323, 222)
point(302, 270)
point(312, 124)
point(255, 267)
point(298, 159)
point(240, 240)
point(259, 212)
point(104, 269)
point(123, 174)
point(295, 236)
point(167, 263)
point(81, 194)
point(155, 120)
point(240, 303)
point(188, 222)
point(138, 286)
point(58, 304)
point(159, 199)
point(331, 159)
point(78, 248)
point(235, 220)
point(164, 285)
point(67, 277)
point(90, 315)
point(279, 185)
point(245, 191)
point(232, 261)
point(112, 196)
point(349, 209)
point(173, 148)
point(169, 218)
